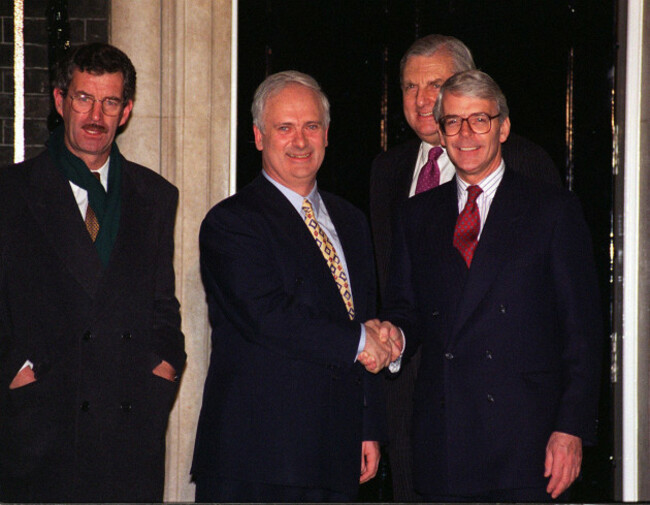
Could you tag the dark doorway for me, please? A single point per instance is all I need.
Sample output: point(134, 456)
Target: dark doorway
point(554, 60)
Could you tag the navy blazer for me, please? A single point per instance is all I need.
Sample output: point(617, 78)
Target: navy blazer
point(284, 401)
point(510, 348)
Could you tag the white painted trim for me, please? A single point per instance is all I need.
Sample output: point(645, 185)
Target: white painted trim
point(19, 82)
point(630, 415)
point(233, 98)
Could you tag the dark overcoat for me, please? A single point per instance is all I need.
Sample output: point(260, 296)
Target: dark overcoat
point(92, 427)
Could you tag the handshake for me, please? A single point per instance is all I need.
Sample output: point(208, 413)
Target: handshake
point(384, 344)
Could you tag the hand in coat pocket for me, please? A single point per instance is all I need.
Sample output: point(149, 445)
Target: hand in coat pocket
point(166, 371)
point(24, 377)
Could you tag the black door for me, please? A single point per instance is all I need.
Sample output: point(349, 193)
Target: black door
point(553, 59)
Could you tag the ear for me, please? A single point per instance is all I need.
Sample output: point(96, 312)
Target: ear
point(326, 132)
point(443, 139)
point(504, 130)
point(58, 100)
point(126, 112)
point(259, 136)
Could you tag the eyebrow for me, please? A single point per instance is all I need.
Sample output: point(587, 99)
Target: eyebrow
point(82, 92)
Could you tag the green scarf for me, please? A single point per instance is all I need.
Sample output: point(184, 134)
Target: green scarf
point(105, 205)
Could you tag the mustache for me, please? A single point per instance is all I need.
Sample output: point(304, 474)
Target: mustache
point(95, 126)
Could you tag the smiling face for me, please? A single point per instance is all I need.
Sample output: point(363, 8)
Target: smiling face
point(294, 138)
point(423, 76)
point(475, 156)
point(89, 136)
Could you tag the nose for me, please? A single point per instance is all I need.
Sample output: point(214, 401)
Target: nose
point(299, 139)
point(465, 128)
point(96, 112)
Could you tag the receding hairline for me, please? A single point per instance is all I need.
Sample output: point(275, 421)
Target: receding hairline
point(295, 84)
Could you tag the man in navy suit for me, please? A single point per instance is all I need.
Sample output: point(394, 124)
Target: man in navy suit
point(492, 274)
point(396, 173)
point(289, 413)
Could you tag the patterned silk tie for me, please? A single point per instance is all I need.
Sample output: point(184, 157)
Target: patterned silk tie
point(430, 174)
point(468, 225)
point(329, 253)
point(92, 224)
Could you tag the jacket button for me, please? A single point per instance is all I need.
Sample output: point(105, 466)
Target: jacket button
point(125, 406)
point(126, 335)
point(490, 398)
point(435, 313)
point(87, 336)
point(502, 309)
point(85, 406)
point(488, 354)
point(449, 355)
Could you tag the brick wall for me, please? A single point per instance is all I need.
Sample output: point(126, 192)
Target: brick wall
point(88, 23)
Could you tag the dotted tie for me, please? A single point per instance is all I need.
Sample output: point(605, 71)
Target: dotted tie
point(329, 253)
point(468, 225)
point(92, 224)
point(430, 174)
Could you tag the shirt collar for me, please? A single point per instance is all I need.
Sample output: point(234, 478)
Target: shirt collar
point(296, 199)
point(489, 185)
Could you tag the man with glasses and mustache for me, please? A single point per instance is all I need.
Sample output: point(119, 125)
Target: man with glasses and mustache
point(492, 275)
point(90, 342)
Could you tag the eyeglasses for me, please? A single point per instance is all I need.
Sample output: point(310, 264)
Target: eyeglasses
point(478, 122)
point(84, 103)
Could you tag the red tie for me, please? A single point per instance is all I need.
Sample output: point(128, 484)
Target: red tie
point(430, 174)
point(468, 225)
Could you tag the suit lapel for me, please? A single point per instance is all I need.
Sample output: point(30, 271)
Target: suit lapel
point(52, 204)
point(406, 170)
point(348, 232)
point(135, 218)
point(494, 248)
point(274, 204)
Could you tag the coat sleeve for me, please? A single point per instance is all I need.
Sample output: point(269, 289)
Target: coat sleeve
point(579, 322)
point(168, 340)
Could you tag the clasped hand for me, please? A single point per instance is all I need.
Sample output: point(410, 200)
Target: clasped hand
point(384, 344)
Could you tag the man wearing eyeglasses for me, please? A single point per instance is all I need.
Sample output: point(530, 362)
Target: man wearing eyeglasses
point(411, 168)
point(493, 276)
point(90, 341)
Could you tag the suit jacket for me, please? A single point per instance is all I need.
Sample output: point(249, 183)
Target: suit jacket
point(284, 401)
point(92, 427)
point(510, 347)
point(390, 183)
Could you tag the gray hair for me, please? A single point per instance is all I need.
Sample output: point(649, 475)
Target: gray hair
point(275, 83)
point(475, 84)
point(427, 46)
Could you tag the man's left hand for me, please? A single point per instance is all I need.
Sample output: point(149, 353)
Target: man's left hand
point(369, 460)
point(563, 460)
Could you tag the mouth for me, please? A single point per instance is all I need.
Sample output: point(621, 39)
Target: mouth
point(426, 114)
point(299, 156)
point(94, 129)
point(467, 149)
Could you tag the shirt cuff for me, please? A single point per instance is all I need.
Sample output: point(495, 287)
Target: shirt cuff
point(395, 366)
point(362, 342)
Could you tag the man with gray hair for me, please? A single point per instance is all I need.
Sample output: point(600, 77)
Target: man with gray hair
point(289, 412)
point(413, 167)
point(500, 292)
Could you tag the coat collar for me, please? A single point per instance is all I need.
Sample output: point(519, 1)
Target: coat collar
point(50, 199)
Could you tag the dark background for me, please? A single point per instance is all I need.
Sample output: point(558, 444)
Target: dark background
point(553, 59)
